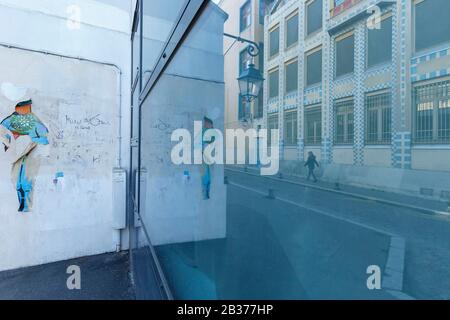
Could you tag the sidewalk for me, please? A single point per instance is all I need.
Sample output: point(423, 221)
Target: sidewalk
point(103, 277)
point(427, 206)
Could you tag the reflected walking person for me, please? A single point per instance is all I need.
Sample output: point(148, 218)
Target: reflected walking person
point(311, 163)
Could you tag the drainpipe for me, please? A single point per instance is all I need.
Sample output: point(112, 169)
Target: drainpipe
point(117, 241)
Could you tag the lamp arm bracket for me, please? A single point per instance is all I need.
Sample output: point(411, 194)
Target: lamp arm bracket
point(253, 49)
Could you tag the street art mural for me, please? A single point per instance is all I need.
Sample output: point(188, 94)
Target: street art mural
point(206, 174)
point(23, 123)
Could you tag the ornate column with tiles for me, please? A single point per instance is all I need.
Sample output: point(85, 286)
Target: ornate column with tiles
point(402, 107)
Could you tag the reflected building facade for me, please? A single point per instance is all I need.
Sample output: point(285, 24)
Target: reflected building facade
point(365, 85)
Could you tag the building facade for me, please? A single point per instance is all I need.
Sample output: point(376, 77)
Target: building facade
point(365, 85)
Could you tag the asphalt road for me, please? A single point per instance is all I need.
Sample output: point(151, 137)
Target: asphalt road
point(427, 251)
point(103, 277)
point(309, 244)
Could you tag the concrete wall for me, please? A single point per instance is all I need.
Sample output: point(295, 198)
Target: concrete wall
point(343, 155)
point(79, 102)
point(377, 156)
point(290, 153)
point(429, 158)
point(173, 208)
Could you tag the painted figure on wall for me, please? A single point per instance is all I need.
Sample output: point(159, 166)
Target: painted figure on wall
point(23, 123)
point(206, 175)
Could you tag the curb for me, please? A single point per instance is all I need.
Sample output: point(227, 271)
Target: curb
point(353, 195)
point(394, 271)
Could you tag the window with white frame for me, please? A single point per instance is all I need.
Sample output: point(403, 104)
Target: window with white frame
point(290, 128)
point(274, 42)
point(292, 30)
point(432, 112)
point(313, 125)
point(313, 16)
point(314, 67)
point(345, 54)
point(379, 42)
point(344, 121)
point(291, 73)
point(431, 23)
point(378, 117)
point(274, 79)
point(246, 16)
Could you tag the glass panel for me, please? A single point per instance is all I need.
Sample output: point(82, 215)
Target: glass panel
point(274, 84)
point(274, 42)
point(264, 7)
point(137, 51)
point(313, 123)
point(380, 43)
point(235, 241)
point(314, 16)
point(314, 68)
point(159, 18)
point(291, 77)
point(432, 24)
point(246, 15)
point(272, 124)
point(291, 128)
point(292, 31)
point(345, 53)
point(378, 118)
point(432, 115)
point(344, 131)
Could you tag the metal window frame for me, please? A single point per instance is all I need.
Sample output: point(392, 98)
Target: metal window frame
point(291, 118)
point(286, 64)
point(385, 16)
point(272, 71)
point(307, 54)
point(288, 18)
point(434, 140)
point(270, 117)
point(271, 56)
point(307, 33)
point(380, 117)
point(248, 2)
point(346, 113)
point(190, 13)
point(339, 38)
point(414, 3)
point(314, 108)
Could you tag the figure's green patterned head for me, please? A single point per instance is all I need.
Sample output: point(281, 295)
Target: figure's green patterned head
point(23, 124)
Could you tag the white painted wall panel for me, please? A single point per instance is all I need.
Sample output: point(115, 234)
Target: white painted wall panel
point(78, 103)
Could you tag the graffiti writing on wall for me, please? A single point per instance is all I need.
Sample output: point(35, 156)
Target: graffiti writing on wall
point(23, 123)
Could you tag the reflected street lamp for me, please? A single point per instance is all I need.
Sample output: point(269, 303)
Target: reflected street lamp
point(250, 79)
point(250, 83)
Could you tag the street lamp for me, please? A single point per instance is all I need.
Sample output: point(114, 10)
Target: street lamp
point(250, 83)
point(250, 79)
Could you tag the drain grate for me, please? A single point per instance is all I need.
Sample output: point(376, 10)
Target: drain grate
point(426, 192)
point(445, 195)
